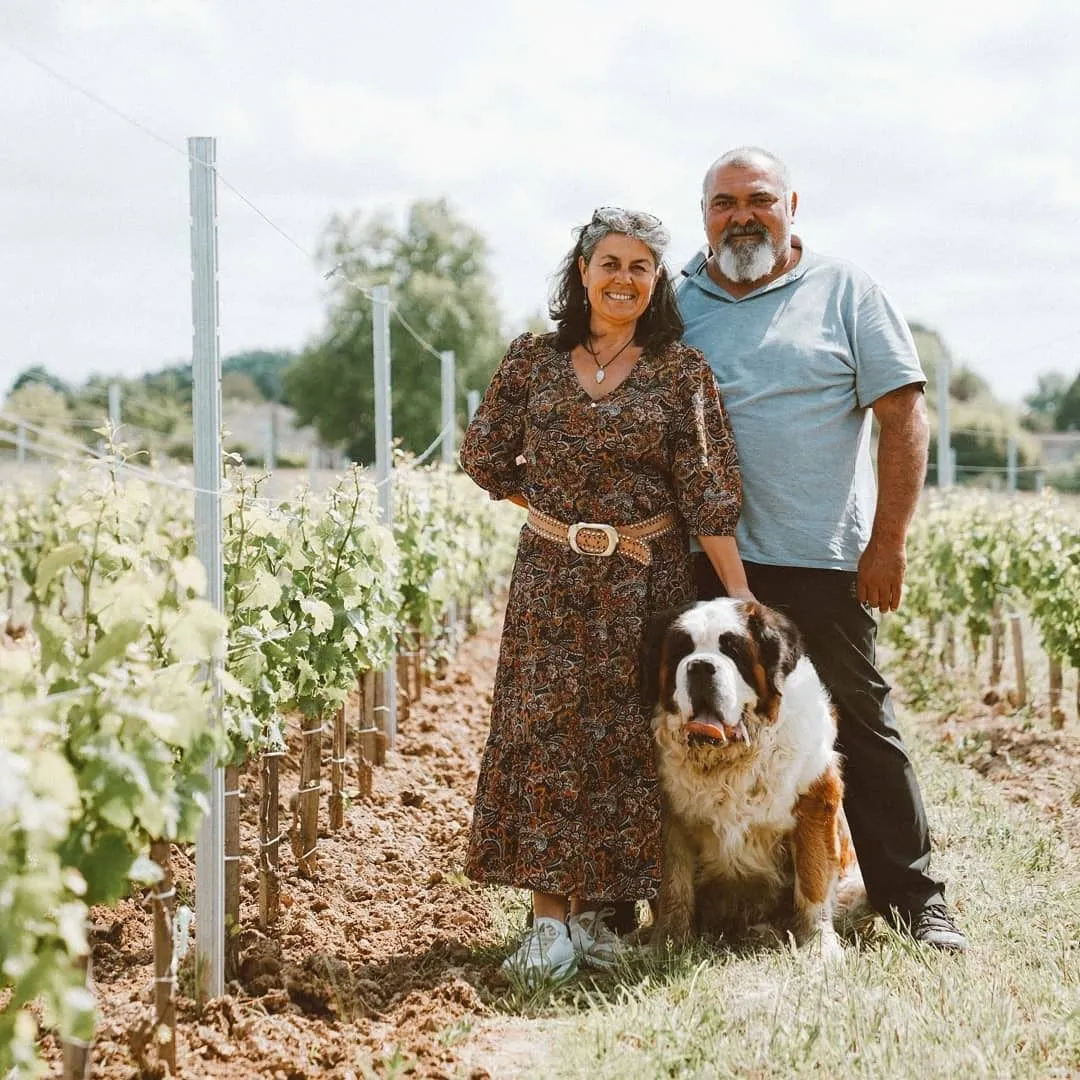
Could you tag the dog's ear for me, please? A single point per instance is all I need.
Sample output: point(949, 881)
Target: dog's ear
point(657, 672)
point(779, 647)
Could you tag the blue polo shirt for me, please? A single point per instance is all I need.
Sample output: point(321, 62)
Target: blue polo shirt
point(799, 362)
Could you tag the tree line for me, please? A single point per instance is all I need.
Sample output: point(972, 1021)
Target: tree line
point(437, 267)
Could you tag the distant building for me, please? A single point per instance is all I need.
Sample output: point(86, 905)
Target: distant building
point(1058, 447)
point(248, 430)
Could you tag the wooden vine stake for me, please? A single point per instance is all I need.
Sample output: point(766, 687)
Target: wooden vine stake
point(423, 669)
point(232, 871)
point(1018, 659)
point(1057, 714)
point(269, 840)
point(419, 673)
point(308, 796)
point(404, 683)
point(365, 720)
point(365, 733)
point(997, 644)
point(950, 644)
point(337, 772)
point(381, 708)
point(77, 1059)
point(163, 901)
point(449, 640)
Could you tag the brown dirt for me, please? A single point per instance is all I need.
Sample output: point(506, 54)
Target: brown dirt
point(1031, 762)
point(377, 967)
point(373, 967)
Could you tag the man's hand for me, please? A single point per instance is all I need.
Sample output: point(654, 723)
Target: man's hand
point(881, 575)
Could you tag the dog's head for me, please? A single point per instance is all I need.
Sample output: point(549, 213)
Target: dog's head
point(715, 671)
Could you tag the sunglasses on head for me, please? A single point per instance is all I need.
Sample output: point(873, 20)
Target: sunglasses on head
point(603, 215)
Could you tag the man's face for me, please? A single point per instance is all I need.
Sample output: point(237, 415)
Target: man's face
point(748, 221)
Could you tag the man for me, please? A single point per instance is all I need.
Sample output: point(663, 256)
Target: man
point(804, 348)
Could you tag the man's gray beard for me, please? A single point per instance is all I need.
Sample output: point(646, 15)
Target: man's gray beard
point(745, 262)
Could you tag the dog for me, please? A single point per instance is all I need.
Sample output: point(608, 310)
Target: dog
point(755, 837)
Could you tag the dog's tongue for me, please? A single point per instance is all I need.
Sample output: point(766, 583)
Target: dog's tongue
point(708, 728)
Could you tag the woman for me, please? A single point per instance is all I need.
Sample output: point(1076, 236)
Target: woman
point(610, 420)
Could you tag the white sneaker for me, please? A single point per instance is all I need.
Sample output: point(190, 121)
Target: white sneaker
point(595, 943)
point(545, 955)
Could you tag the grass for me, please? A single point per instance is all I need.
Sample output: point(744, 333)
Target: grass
point(1010, 1007)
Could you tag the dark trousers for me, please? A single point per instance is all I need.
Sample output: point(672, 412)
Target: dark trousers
point(881, 794)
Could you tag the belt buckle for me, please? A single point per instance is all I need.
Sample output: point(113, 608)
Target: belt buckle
point(608, 531)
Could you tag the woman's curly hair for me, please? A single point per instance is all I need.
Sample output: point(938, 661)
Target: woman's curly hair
point(659, 325)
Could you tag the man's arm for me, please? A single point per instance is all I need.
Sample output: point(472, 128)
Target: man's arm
point(723, 553)
point(903, 440)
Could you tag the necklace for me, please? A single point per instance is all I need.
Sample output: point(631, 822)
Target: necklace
point(601, 369)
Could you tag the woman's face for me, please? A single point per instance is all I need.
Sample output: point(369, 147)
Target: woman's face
point(619, 278)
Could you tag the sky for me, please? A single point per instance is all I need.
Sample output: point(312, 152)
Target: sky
point(933, 144)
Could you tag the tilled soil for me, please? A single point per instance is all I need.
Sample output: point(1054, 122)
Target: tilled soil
point(377, 967)
point(372, 963)
point(1030, 762)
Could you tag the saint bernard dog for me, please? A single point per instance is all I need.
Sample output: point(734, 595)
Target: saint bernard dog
point(755, 837)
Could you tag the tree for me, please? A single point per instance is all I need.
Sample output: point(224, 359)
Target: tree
point(39, 404)
point(1067, 416)
point(1044, 402)
point(265, 367)
point(148, 404)
point(966, 385)
point(439, 284)
point(240, 386)
point(39, 374)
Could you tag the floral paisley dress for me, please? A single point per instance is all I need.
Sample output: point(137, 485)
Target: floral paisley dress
point(567, 800)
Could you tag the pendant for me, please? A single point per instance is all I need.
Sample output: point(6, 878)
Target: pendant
point(599, 374)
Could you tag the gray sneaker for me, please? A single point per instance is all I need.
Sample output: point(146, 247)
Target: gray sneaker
point(932, 925)
point(546, 955)
point(595, 943)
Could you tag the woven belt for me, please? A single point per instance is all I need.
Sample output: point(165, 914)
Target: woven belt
point(592, 538)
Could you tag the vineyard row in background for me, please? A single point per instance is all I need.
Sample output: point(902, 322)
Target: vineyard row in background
point(105, 703)
point(980, 568)
point(106, 695)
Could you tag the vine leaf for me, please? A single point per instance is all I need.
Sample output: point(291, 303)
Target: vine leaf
point(58, 559)
point(112, 645)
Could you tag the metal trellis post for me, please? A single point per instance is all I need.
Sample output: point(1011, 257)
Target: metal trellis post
point(449, 418)
point(206, 416)
point(384, 462)
point(114, 405)
point(944, 463)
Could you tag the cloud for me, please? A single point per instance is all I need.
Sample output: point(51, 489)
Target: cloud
point(935, 149)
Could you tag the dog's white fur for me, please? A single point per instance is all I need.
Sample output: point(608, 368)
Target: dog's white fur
point(735, 853)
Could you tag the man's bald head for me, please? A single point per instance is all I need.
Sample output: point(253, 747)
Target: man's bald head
point(750, 157)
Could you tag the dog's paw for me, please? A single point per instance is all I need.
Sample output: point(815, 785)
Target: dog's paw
point(832, 951)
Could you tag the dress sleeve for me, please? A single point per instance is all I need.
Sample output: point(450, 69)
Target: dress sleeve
point(705, 467)
point(494, 439)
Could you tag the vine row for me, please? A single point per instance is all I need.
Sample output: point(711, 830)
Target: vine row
point(107, 646)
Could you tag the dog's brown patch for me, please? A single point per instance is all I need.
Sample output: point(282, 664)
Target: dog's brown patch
point(816, 841)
